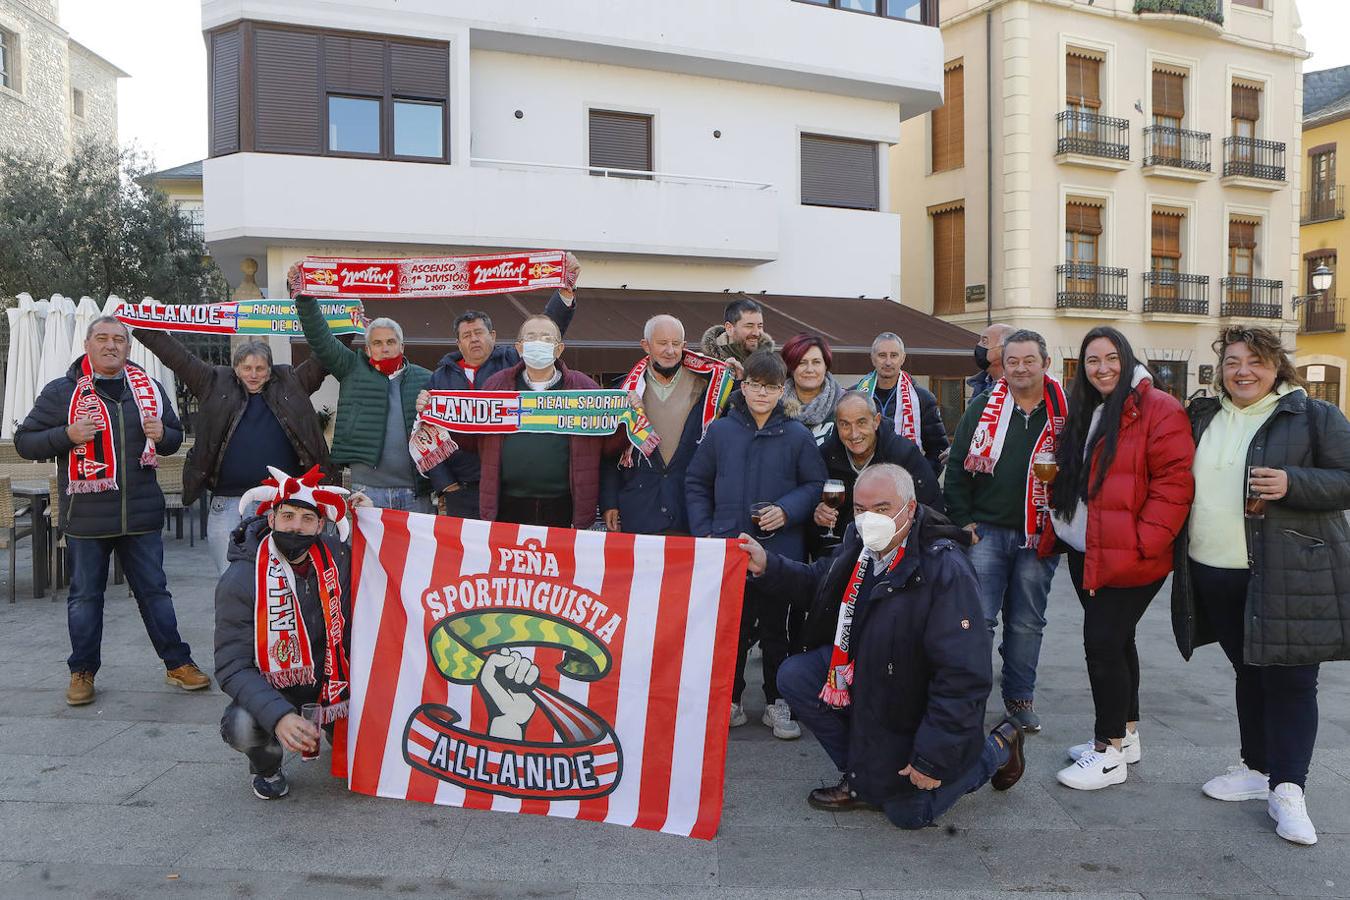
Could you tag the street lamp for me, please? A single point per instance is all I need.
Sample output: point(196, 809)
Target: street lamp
point(1321, 279)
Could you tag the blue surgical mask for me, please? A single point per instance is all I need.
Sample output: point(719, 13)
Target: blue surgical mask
point(538, 354)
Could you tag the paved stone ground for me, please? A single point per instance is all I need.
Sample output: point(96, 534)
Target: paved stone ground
point(136, 796)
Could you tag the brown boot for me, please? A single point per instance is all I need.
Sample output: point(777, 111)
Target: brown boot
point(839, 798)
point(1012, 736)
point(188, 677)
point(81, 690)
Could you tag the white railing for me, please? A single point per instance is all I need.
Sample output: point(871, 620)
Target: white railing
point(624, 173)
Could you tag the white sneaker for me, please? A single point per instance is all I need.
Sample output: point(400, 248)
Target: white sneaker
point(738, 716)
point(1287, 807)
point(1095, 770)
point(1238, 783)
point(1129, 748)
point(778, 716)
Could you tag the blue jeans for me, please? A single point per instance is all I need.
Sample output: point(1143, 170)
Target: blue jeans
point(1014, 581)
point(142, 557)
point(396, 498)
point(800, 679)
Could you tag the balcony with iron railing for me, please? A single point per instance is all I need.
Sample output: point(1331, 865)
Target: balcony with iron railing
point(1324, 203)
point(1092, 139)
point(1244, 297)
point(1197, 16)
point(1320, 314)
point(1256, 162)
point(1085, 286)
point(1176, 293)
point(1177, 152)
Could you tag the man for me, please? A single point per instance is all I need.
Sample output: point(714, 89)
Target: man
point(284, 571)
point(862, 438)
point(539, 479)
point(893, 669)
point(477, 359)
point(107, 422)
point(252, 415)
point(992, 492)
point(739, 336)
point(377, 406)
point(989, 358)
point(680, 393)
point(912, 409)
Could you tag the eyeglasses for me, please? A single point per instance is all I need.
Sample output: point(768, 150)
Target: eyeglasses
point(537, 336)
point(754, 387)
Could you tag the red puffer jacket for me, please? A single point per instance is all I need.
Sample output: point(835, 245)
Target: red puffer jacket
point(1145, 498)
point(584, 456)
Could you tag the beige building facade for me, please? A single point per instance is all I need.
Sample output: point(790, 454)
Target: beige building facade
point(1137, 166)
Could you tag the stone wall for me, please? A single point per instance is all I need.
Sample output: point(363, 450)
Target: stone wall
point(92, 75)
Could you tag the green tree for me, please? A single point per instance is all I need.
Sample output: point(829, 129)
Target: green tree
point(94, 225)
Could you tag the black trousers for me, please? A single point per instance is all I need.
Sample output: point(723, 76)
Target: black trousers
point(552, 511)
point(1276, 705)
point(764, 617)
point(1110, 616)
point(463, 503)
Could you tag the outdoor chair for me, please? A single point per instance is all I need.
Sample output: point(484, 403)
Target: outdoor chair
point(10, 531)
point(8, 453)
point(170, 476)
point(56, 541)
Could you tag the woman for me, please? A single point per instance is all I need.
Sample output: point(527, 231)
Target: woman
point(811, 392)
point(1271, 588)
point(1120, 498)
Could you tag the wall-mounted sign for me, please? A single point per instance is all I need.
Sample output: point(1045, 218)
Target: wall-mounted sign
point(975, 293)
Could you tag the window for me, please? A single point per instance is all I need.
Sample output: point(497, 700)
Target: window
point(1083, 77)
point(922, 11)
point(1241, 258)
point(951, 400)
point(77, 102)
point(418, 129)
point(1246, 110)
point(9, 60)
point(1170, 375)
point(1251, 4)
point(353, 125)
point(949, 122)
point(1070, 370)
point(1328, 388)
point(1322, 172)
point(1166, 251)
point(949, 262)
point(840, 172)
point(1169, 111)
point(1082, 232)
point(1311, 260)
point(621, 141)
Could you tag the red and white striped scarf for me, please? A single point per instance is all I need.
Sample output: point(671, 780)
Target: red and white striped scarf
point(714, 398)
point(839, 676)
point(907, 412)
point(92, 468)
point(282, 648)
point(986, 445)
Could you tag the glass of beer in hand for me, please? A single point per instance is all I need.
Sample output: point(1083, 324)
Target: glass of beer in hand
point(832, 495)
point(1255, 507)
point(312, 712)
point(756, 511)
point(1045, 467)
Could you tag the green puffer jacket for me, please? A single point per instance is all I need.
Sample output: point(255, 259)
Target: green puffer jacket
point(363, 396)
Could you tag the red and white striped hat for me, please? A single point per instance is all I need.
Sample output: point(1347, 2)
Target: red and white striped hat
point(307, 491)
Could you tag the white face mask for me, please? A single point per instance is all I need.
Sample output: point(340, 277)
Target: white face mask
point(538, 354)
point(876, 530)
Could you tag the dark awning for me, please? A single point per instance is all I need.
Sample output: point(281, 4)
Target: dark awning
point(604, 336)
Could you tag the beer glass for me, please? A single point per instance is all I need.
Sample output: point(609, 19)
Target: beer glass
point(1255, 507)
point(832, 495)
point(313, 712)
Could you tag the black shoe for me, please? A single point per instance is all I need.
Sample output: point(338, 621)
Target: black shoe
point(840, 798)
point(1009, 731)
point(1022, 712)
point(272, 787)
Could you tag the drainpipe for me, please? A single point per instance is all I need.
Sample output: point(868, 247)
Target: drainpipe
point(989, 168)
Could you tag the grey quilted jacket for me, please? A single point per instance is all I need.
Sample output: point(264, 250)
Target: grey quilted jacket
point(1298, 599)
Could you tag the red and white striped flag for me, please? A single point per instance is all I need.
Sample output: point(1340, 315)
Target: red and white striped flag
point(578, 674)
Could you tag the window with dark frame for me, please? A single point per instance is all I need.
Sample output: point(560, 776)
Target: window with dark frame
point(1170, 375)
point(1241, 258)
point(1246, 113)
point(1166, 252)
point(949, 261)
point(840, 172)
point(620, 140)
point(1322, 174)
point(923, 12)
point(1169, 112)
point(1082, 235)
point(948, 123)
point(951, 400)
point(1328, 389)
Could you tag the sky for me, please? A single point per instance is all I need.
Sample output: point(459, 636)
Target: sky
point(162, 106)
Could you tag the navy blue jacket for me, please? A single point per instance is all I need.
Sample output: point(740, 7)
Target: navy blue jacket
point(462, 466)
point(891, 448)
point(980, 383)
point(649, 494)
point(738, 465)
point(920, 650)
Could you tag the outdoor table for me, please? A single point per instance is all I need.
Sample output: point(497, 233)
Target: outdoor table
point(38, 493)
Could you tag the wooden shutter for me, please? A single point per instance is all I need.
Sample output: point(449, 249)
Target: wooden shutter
point(839, 172)
point(949, 262)
point(1246, 102)
point(621, 140)
point(1242, 234)
point(224, 92)
point(1083, 218)
point(1167, 234)
point(353, 65)
point(949, 122)
point(419, 71)
point(287, 91)
point(1083, 76)
point(1169, 95)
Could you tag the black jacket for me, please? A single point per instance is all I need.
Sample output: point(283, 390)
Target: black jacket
point(931, 430)
point(223, 399)
point(1298, 598)
point(137, 506)
point(236, 647)
point(891, 448)
point(462, 467)
point(921, 655)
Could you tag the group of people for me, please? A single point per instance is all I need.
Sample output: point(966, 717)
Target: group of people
point(883, 557)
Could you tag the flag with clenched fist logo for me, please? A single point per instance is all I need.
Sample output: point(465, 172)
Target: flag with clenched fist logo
point(577, 674)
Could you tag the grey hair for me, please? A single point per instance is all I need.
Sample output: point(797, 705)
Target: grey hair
point(252, 348)
point(385, 322)
point(1022, 336)
point(657, 319)
point(89, 332)
point(887, 336)
point(900, 477)
point(859, 395)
